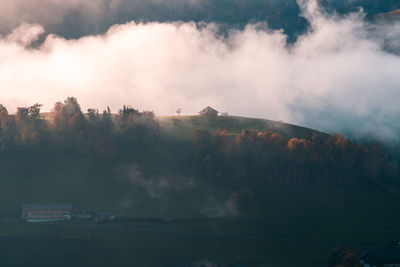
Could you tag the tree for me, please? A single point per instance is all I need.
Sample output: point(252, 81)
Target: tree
point(31, 128)
point(34, 111)
point(93, 114)
point(4, 118)
point(247, 152)
point(7, 129)
point(204, 152)
point(70, 127)
point(136, 129)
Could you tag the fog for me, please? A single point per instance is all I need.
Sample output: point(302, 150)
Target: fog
point(342, 75)
point(155, 186)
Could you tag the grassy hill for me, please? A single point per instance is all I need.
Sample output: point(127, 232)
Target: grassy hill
point(308, 220)
point(98, 184)
point(183, 126)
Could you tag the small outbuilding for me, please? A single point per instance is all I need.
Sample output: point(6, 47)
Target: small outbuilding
point(208, 111)
point(46, 212)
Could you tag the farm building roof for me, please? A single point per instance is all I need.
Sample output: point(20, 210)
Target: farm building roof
point(47, 206)
point(208, 111)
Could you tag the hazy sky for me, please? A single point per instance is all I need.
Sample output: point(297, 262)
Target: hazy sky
point(339, 76)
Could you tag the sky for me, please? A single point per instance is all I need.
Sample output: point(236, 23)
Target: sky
point(342, 75)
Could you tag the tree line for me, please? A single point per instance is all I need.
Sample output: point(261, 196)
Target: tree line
point(67, 130)
point(255, 159)
point(251, 159)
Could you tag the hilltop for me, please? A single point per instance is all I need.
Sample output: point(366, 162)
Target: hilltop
point(183, 126)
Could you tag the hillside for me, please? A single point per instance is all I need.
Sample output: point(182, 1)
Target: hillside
point(392, 15)
point(162, 198)
point(90, 182)
point(183, 126)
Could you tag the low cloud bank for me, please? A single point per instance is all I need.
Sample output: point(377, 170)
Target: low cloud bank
point(340, 76)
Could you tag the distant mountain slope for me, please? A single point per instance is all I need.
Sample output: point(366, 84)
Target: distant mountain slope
point(370, 7)
point(392, 15)
point(183, 126)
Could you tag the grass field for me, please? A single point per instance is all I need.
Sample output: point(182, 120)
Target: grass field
point(69, 245)
point(183, 126)
point(156, 243)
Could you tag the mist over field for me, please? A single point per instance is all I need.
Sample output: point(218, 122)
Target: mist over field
point(340, 75)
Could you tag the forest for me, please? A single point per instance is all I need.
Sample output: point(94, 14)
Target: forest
point(252, 159)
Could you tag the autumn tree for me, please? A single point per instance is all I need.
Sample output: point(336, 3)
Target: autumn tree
point(135, 128)
point(7, 129)
point(32, 130)
point(69, 126)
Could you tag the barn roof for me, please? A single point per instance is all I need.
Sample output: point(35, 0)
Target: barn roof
point(208, 109)
point(47, 206)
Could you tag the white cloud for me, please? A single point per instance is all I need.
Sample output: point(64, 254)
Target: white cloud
point(25, 34)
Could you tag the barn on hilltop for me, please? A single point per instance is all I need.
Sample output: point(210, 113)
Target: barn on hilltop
point(46, 212)
point(208, 111)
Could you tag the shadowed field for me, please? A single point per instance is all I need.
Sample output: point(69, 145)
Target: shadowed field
point(186, 218)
